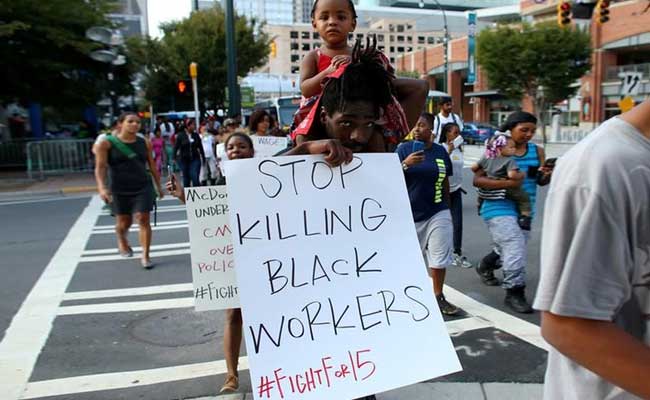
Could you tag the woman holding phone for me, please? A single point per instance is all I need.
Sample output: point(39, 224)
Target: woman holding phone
point(425, 162)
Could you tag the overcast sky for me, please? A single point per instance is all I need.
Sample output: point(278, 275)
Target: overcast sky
point(165, 11)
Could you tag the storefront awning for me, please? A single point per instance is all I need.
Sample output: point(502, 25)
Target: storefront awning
point(486, 94)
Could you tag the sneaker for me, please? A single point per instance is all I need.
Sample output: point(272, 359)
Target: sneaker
point(486, 273)
point(146, 264)
point(525, 222)
point(460, 261)
point(128, 253)
point(230, 385)
point(446, 307)
point(516, 300)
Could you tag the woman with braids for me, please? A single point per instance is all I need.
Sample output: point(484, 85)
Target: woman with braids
point(334, 20)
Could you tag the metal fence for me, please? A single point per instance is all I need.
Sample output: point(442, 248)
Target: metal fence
point(59, 156)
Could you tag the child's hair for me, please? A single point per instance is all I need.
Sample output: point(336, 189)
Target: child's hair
point(350, 4)
point(243, 136)
point(428, 117)
point(364, 79)
point(494, 145)
point(446, 129)
point(256, 117)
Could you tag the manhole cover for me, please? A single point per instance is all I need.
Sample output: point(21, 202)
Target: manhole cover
point(178, 328)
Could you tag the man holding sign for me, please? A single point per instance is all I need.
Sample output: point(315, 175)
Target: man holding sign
point(318, 275)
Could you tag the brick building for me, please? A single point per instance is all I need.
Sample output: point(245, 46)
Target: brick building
point(619, 46)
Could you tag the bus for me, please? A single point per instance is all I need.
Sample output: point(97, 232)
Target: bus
point(281, 108)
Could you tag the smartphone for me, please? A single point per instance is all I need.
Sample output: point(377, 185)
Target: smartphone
point(418, 145)
point(172, 178)
point(458, 141)
point(550, 162)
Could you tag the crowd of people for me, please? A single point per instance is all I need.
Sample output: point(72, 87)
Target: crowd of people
point(352, 102)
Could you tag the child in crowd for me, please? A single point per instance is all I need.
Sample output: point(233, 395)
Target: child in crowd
point(238, 146)
point(334, 20)
point(158, 147)
point(498, 164)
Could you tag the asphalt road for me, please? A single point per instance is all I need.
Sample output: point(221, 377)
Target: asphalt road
point(92, 331)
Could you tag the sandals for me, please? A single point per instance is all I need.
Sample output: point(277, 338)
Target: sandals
point(128, 253)
point(230, 385)
point(147, 264)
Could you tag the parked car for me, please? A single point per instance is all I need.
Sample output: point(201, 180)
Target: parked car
point(477, 132)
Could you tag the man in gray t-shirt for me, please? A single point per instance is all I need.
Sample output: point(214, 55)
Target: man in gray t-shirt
point(594, 288)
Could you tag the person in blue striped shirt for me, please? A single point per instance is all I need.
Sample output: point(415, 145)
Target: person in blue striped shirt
point(501, 215)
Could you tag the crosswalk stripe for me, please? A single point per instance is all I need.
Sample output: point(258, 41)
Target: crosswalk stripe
point(138, 249)
point(164, 304)
point(136, 291)
point(117, 257)
point(135, 228)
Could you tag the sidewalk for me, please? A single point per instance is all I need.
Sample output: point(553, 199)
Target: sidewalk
point(16, 185)
point(442, 391)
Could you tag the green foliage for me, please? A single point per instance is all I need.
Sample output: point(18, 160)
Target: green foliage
point(519, 59)
point(45, 54)
point(200, 38)
point(408, 74)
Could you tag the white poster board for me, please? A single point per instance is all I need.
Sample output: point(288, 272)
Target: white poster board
point(336, 300)
point(213, 265)
point(267, 146)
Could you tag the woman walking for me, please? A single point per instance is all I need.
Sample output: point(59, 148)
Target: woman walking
point(131, 191)
point(188, 149)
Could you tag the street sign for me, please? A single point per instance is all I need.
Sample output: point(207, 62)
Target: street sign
point(626, 104)
point(630, 83)
point(471, 48)
point(247, 96)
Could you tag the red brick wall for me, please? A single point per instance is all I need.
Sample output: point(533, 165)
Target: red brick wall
point(625, 20)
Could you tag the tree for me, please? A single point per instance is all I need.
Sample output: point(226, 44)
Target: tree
point(521, 60)
point(200, 38)
point(45, 53)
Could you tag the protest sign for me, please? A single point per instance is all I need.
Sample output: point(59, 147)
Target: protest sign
point(335, 296)
point(213, 266)
point(267, 146)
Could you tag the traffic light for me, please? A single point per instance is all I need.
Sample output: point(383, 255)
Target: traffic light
point(274, 49)
point(564, 13)
point(182, 87)
point(602, 11)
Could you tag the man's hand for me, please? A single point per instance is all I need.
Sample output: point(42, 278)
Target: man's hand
point(414, 158)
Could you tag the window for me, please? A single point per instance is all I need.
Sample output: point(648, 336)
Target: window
point(420, 39)
point(316, 45)
point(400, 39)
point(380, 38)
point(360, 36)
point(431, 40)
point(295, 58)
point(400, 49)
point(409, 39)
point(391, 28)
point(409, 49)
point(305, 35)
point(294, 46)
point(315, 35)
point(306, 47)
point(295, 70)
point(392, 38)
point(400, 28)
point(392, 60)
point(392, 49)
point(381, 48)
point(350, 36)
point(293, 35)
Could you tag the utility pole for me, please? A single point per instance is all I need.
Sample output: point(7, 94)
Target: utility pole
point(234, 106)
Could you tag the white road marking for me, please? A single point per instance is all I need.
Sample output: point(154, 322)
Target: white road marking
point(44, 199)
point(128, 379)
point(164, 304)
point(165, 223)
point(153, 255)
point(31, 325)
point(137, 249)
point(523, 330)
point(135, 228)
point(136, 291)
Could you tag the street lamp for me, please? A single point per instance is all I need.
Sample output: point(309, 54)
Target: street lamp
point(112, 39)
point(445, 40)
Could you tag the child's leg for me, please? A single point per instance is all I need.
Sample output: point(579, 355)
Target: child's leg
point(520, 197)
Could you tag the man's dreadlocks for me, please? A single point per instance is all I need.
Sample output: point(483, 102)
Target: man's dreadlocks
point(365, 79)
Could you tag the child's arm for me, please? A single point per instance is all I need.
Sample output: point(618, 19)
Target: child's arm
point(475, 168)
point(411, 94)
point(310, 78)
